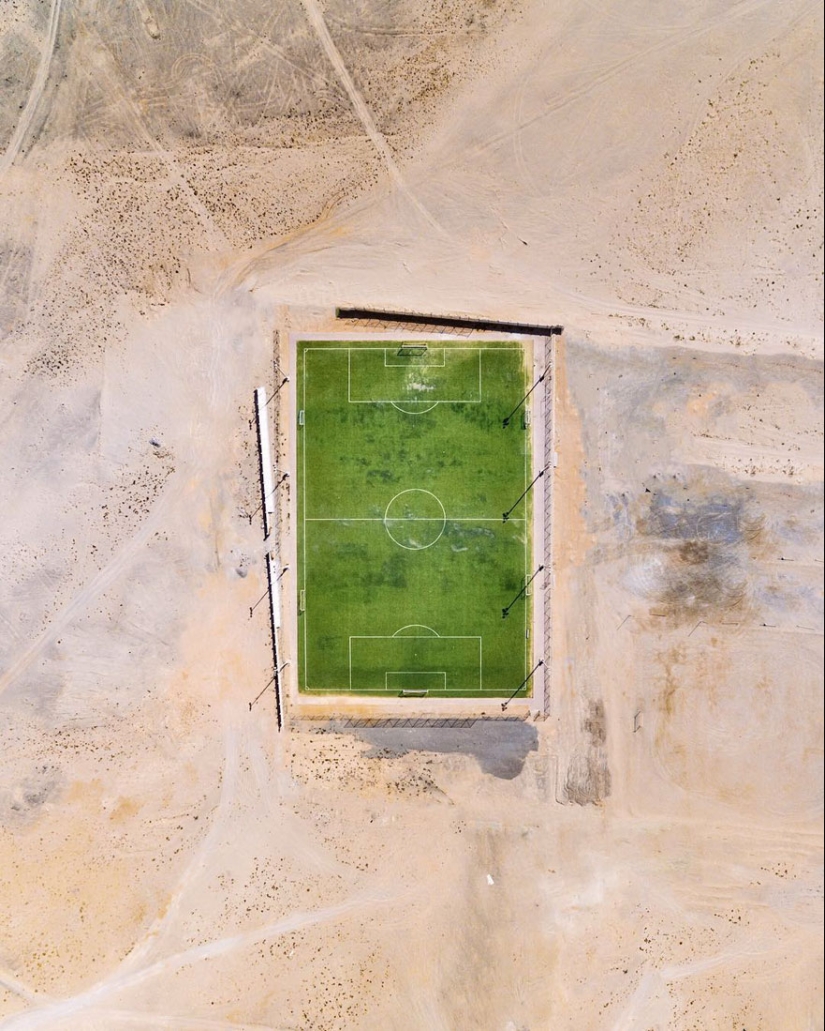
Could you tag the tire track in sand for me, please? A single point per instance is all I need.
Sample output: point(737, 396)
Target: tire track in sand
point(99, 583)
point(38, 86)
point(316, 20)
point(48, 1015)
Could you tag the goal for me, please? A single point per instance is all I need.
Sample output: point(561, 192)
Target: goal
point(411, 350)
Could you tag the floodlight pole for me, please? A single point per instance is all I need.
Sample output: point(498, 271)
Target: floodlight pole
point(521, 685)
point(506, 515)
point(521, 402)
point(506, 611)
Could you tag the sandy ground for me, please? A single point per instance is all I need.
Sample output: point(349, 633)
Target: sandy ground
point(179, 183)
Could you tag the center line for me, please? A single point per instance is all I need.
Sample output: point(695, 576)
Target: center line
point(409, 519)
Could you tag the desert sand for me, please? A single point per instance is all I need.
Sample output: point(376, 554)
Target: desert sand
point(185, 186)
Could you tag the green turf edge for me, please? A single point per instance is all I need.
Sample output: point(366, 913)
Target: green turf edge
point(523, 692)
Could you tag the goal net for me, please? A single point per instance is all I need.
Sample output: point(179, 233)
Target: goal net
point(411, 350)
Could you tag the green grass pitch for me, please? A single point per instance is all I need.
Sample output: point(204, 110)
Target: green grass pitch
point(405, 562)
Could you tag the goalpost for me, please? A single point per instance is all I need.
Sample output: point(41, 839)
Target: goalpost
point(411, 351)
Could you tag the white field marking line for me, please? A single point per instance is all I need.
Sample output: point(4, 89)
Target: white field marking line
point(412, 401)
point(36, 92)
point(527, 556)
point(412, 626)
point(402, 401)
point(374, 692)
point(341, 347)
point(337, 349)
point(305, 556)
point(369, 692)
point(316, 19)
point(442, 519)
point(412, 519)
point(414, 490)
point(421, 411)
point(418, 365)
point(527, 642)
point(415, 673)
point(416, 637)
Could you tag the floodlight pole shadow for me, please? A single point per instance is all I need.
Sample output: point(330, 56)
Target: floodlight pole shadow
point(506, 515)
point(258, 602)
point(277, 390)
point(271, 680)
point(269, 495)
point(258, 695)
point(521, 685)
point(506, 611)
point(506, 421)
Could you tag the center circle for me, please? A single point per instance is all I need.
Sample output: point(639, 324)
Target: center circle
point(415, 519)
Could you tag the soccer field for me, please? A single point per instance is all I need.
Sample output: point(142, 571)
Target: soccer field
point(405, 562)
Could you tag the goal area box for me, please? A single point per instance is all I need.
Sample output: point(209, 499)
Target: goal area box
point(415, 658)
point(404, 560)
